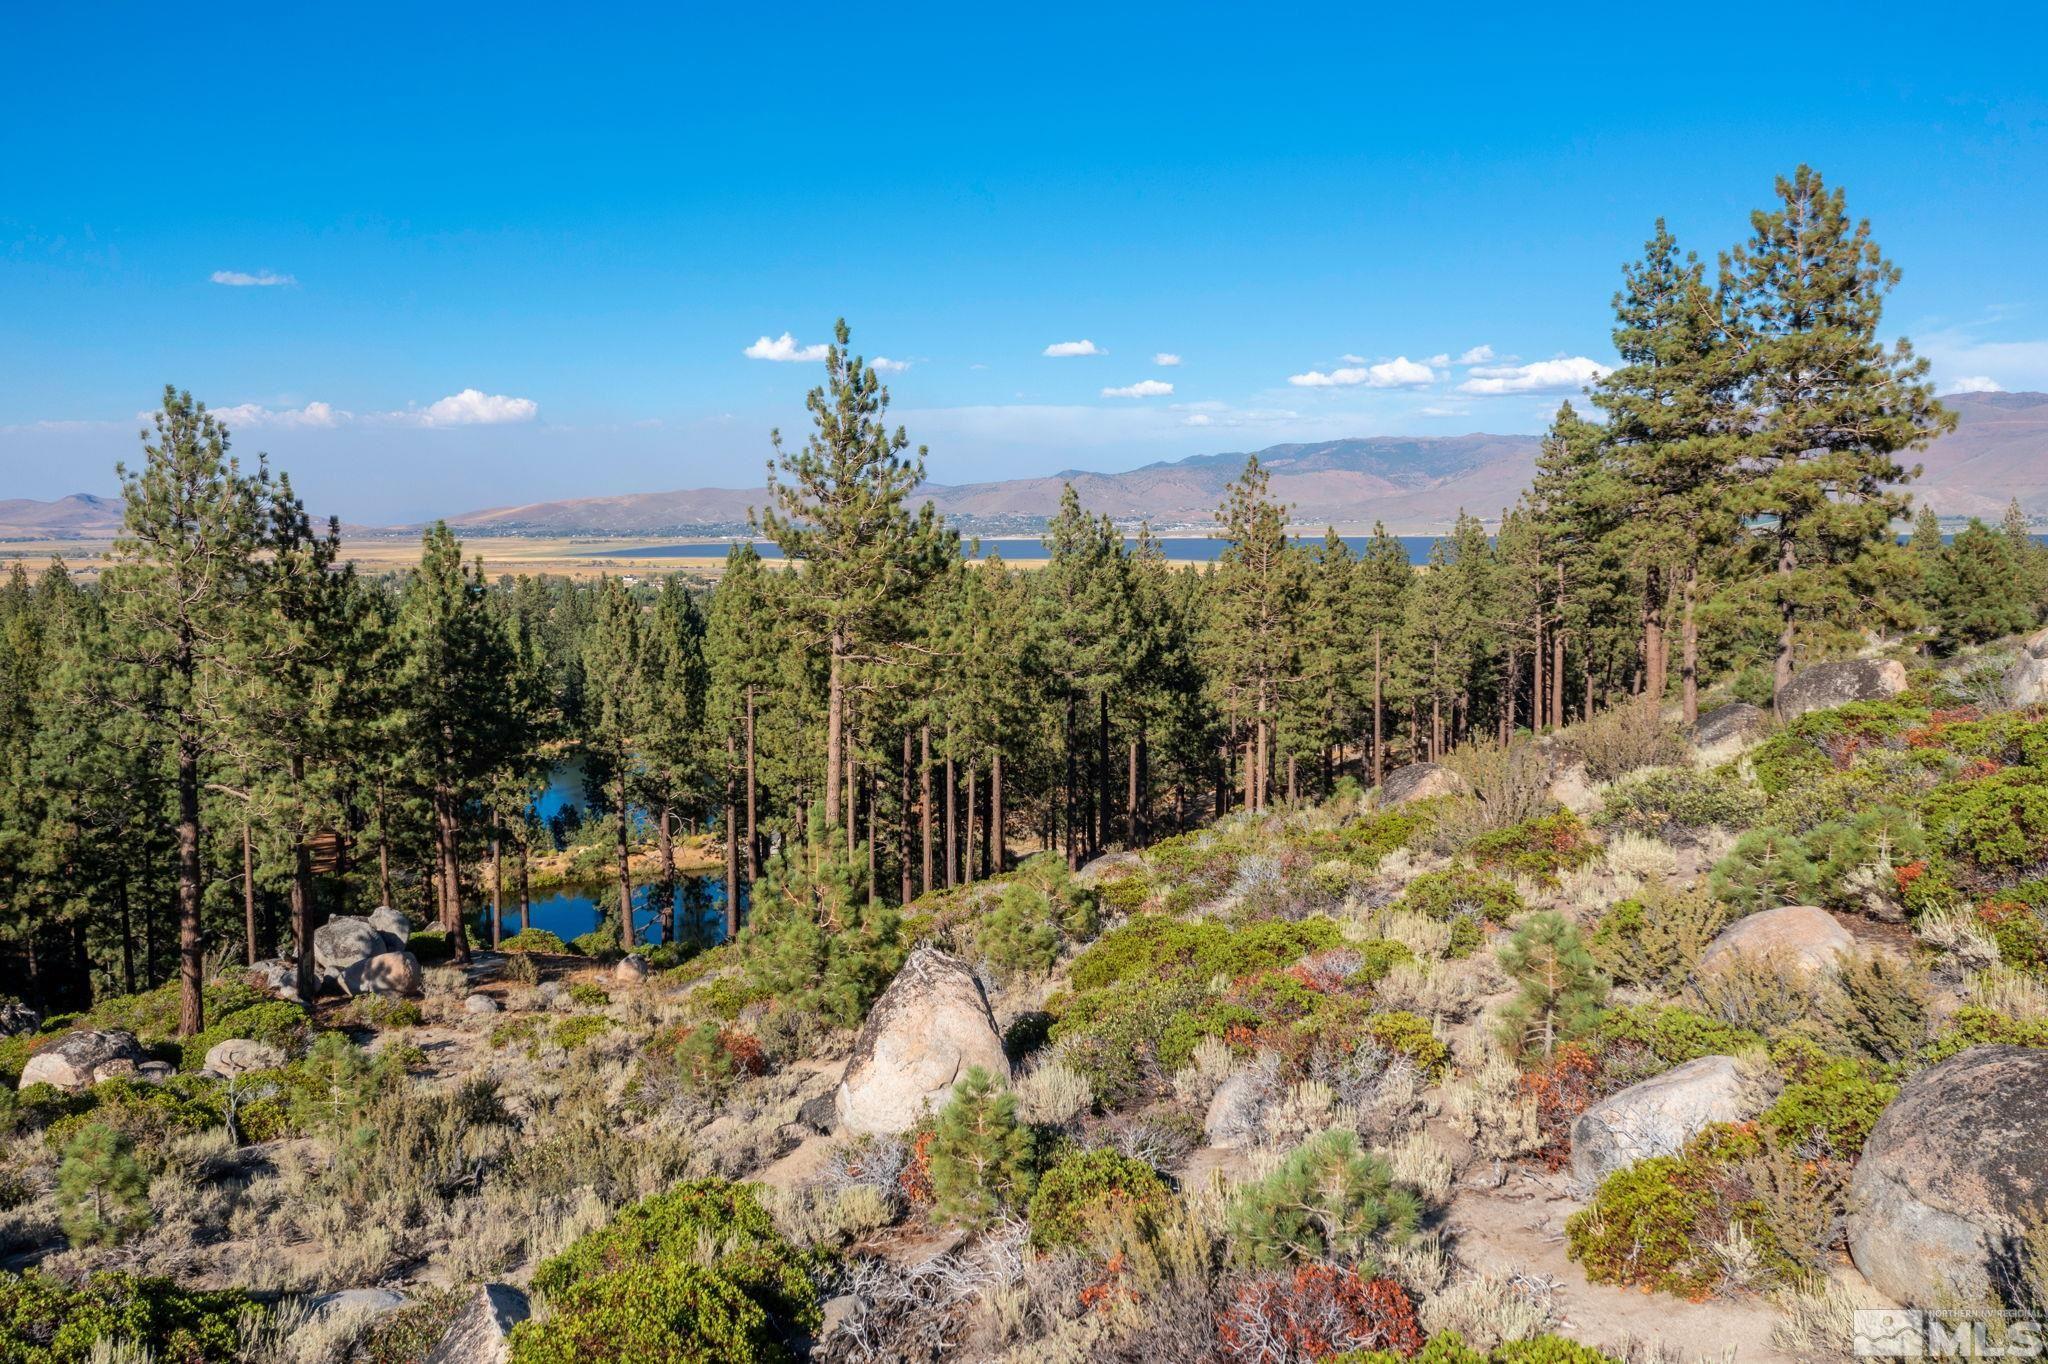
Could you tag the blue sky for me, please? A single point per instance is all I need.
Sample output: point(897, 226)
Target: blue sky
point(523, 251)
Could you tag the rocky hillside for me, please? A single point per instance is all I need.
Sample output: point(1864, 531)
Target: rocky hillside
point(1627, 1044)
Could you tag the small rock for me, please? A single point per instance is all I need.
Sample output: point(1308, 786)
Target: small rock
point(1727, 730)
point(2026, 680)
point(1807, 936)
point(1654, 1118)
point(479, 1004)
point(365, 1301)
point(1420, 781)
point(240, 1056)
point(1233, 1115)
point(120, 1068)
point(836, 1311)
point(1109, 867)
point(76, 1059)
point(817, 1114)
point(1827, 685)
point(17, 1018)
point(387, 973)
point(630, 970)
point(155, 1072)
point(277, 976)
point(1571, 787)
point(931, 1025)
point(1952, 1178)
point(478, 1333)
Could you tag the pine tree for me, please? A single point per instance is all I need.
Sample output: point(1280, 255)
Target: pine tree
point(1380, 586)
point(1829, 408)
point(981, 1155)
point(1254, 621)
point(102, 1190)
point(2030, 561)
point(186, 564)
point(674, 747)
point(840, 516)
point(1673, 427)
point(611, 667)
point(1981, 593)
point(1562, 988)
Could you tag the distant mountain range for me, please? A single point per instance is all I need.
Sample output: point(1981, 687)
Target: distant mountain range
point(1416, 484)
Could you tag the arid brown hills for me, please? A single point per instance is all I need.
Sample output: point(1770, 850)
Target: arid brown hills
point(1416, 484)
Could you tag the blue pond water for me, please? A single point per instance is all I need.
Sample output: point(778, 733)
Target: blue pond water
point(571, 911)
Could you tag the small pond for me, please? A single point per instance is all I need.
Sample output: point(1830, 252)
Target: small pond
point(571, 911)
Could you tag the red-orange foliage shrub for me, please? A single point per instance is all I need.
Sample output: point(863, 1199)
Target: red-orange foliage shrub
point(1315, 1312)
point(1561, 1087)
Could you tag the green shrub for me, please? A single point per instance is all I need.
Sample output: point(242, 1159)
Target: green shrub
point(668, 1312)
point(382, 1012)
point(430, 946)
point(1976, 1026)
point(1087, 1199)
point(601, 942)
point(1675, 800)
point(1766, 869)
point(1997, 822)
point(1155, 946)
point(1644, 1226)
point(535, 940)
point(281, 1024)
point(1657, 937)
point(1038, 909)
point(579, 1029)
point(1449, 1348)
point(1461, 893)
point(1329, 1200)
point(144, 1114)
point(1540, 847)
point(45, 1320)
point(1672, 1033)
point(1127, 895)
point(813, 943)
point(1832, 1099)
point(981, 1155)
point(670, 1227)
point(102, 1191)
point(1823, 741)
point(1410, 1035)
point(589, 994)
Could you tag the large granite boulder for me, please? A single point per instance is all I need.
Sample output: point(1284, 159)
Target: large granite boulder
point(83, 1057)
point(1655, 1118)
point(1801, 935)
point(1727, 730)
point(2026, 679)
point(1827, 685)
point(361, 1303)
point(1420, 781)
point(630, 970)
point(929, 1027)
point(387, 973)
point(1954, 1173)
point(478, 1333)
point(240, 1056)
point(346, 940)
point(394, 927)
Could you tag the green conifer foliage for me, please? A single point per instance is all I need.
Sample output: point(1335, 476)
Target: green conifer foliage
point(981, 1155)
point(1329, 1200)
point(101, 1188)
point(1562, 988)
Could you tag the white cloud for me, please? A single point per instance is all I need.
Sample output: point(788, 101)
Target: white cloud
point(1400, 372)
point(1439, 360)
point(1541, 376)
point(1478, 355)
point(784, 347)
point(1352, 359)
point(262, 279)
point(1444, 411)
point(1144, 388)
point(473, 407)
point(1976, 383)
point(1061, 349)
point(1166, 359)
point(888, 366)
point(255, 414)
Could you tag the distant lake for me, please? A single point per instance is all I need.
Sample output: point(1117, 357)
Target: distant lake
point(1189, 550)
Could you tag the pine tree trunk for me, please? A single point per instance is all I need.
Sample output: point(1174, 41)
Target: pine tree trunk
point(383, 853)
point(665, 841)
point(1102, 812)
point(1655, 662)
point(973, 783)
point(1293, 783)
point(1781, 668)
point(1251, 773)
point(1132, 796)
point(952, 805)
point(127, 930)
point(625, 866)
point(835, 725)
point(753, 823)
point(905, 893)
point(497, 884)
point(874, 893)
point(248, 896)
point(448, 850)
point(1536, 693)
point(1379, 731)
point(998, 831)
point(525, 887)
point(924, 780)
point(1557, 658)
point(732, 848)
point(191, 945)
point(1689, 647)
